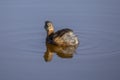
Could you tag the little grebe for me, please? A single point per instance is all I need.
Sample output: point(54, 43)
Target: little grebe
point(63, 37)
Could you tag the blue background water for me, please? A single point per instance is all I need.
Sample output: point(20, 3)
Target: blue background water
point(22, 39)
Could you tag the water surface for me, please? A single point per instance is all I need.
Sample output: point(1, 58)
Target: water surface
point(22, 39)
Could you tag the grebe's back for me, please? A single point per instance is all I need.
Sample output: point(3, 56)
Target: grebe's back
point(65, 37)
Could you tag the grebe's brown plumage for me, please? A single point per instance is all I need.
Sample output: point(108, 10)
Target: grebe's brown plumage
point(63, 37)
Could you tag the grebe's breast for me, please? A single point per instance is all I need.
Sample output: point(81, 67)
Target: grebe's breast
point(64, 37)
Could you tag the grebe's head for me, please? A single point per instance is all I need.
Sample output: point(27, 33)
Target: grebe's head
point(49, 26)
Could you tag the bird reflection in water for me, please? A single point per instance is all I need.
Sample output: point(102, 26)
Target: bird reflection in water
point(61, 51)
point(63, 42)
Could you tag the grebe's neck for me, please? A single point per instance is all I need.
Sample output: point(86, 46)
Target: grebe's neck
point(50, 32)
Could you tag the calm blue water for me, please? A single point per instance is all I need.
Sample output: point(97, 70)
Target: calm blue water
point(22, 39)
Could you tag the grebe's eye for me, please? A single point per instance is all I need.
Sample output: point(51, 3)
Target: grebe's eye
point(49, 24)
